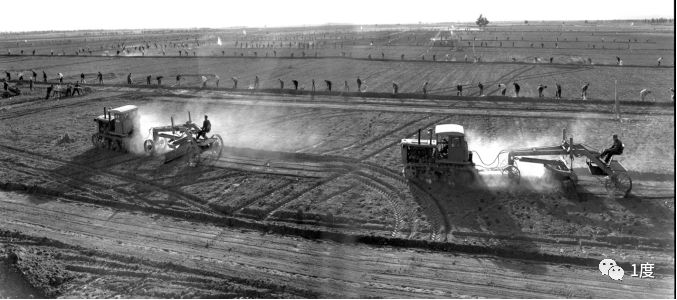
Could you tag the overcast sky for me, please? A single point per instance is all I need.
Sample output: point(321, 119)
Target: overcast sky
point(140, 14)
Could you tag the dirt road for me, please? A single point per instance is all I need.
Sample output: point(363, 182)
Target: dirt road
point(115, 250)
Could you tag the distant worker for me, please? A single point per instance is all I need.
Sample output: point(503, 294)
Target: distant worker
point(481, 87)
point(178, 79)
point(69, 89)
point(643, 93)
point(558, 91)
point(256, 82)
point(551, 58)
point(217, 78)
point(328, 83)
point(425, 88)
point(159, 80)
point(584, 91)
point(517, 89)
point(60, 78)
point(99, 76)
point(395, 87)
point(296, 84)
point(313, 85)
point(234, 79)
point(204, 81)
point(618, 60)
point(540, 90)
point(82, 77)
point(345, 86)
point(359, 84)
point(206, 128)
point(459, 90)
point(76, 89)
point(148, 78)
point(8, 75)
point(44, 76)
point(129, 78)
point(660, 59)
point(49, 91)
point(615, 149)
point(281, 83)
point(502, 87)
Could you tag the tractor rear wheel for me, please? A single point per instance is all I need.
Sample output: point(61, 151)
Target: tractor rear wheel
point(96, 140)
point(213, 153)
point(618, 184)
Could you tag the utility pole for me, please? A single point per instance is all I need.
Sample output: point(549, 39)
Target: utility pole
point(617, 107)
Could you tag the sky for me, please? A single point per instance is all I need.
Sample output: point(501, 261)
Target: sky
point(147, 14)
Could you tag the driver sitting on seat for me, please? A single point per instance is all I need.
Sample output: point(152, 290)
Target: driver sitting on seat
point(206, 127)
point(445, 148)
point(615, 149)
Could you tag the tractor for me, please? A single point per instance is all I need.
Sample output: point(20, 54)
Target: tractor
point(115, 128)
point(178, 140)
point(444, 156)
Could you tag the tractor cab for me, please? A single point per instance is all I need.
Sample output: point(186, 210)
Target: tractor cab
point(451, 145)
point(118, 121)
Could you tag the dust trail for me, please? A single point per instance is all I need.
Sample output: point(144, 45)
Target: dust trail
point(239, 126)
point(490, 156)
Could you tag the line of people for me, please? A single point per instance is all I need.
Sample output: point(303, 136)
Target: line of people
point(361, 85)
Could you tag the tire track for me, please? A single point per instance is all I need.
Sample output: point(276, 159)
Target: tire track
point(189, 199)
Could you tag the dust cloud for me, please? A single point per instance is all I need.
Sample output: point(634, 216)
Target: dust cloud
point(254, 127)
point(491, 156)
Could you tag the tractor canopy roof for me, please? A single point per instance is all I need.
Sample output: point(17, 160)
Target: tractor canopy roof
point(123, 109)
point(449, 129)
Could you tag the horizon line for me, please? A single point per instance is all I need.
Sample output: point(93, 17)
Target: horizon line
point(333, 24)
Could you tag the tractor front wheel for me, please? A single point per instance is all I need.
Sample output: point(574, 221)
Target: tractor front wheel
point(513, 173)
point(148, 146)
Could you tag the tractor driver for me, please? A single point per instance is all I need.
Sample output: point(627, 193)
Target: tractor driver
point(206, 127)
point(444, 152)
point(615, 149)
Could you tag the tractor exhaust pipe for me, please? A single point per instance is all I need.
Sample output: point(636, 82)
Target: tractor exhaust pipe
point(419, 136)
point(430, 132)
point(189, 120)
point(172, 118)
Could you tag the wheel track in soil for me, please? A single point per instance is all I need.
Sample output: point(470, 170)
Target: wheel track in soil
point(110, 233)
point(188, 199)
point(377, 138)
point(109, 264)
point(389, 191)
point(78, 185)
point(211, 272)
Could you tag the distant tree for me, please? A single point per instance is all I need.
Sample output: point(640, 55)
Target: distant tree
point(526, 22)
point(482, 21)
